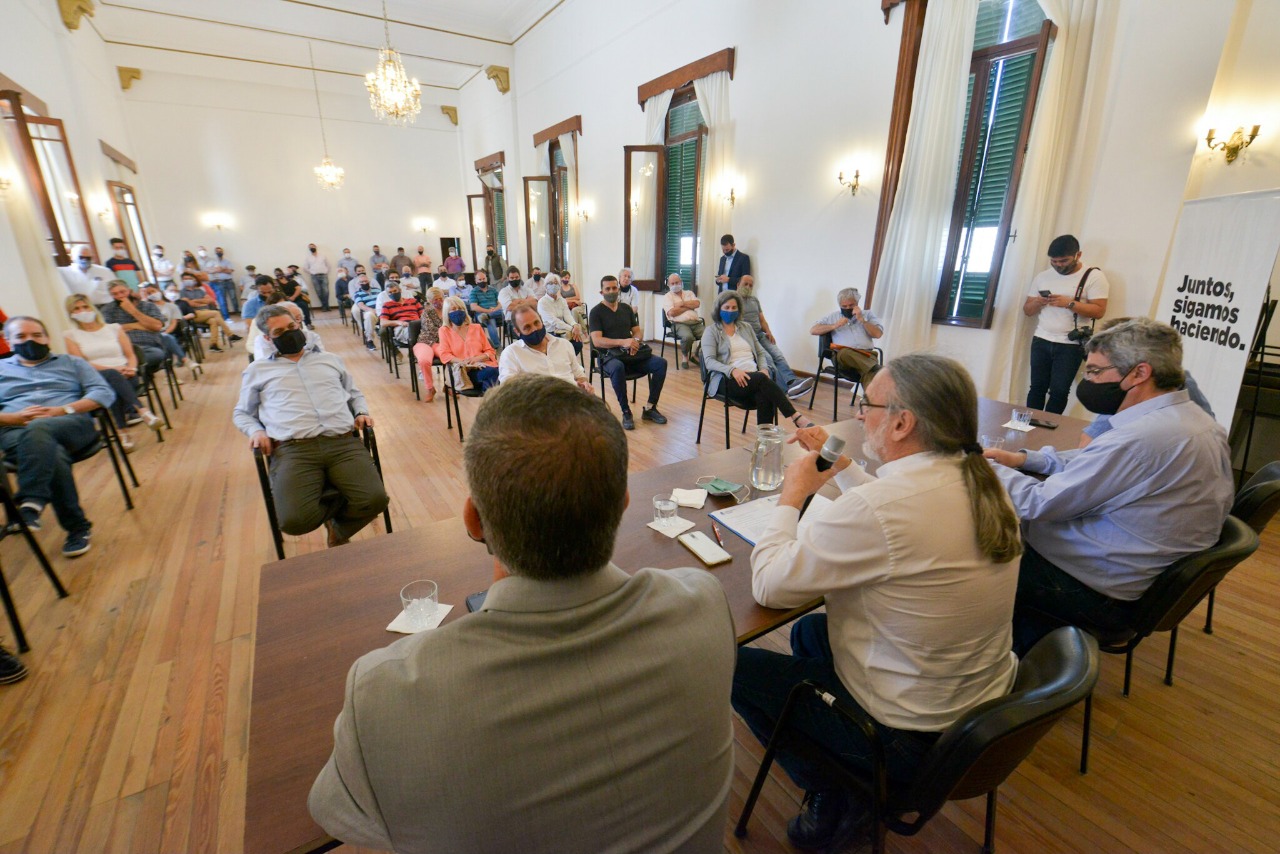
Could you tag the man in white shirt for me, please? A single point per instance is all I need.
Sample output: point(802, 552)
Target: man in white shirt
point(627, 292)
point(556, 315)
point(317, 267)
point(83, 276)
point(681, 308)
point(348, 263)
point(918, 623)
point(536, 352)
point(852, 331)
point(514, 292)
point(163, 267)
point(1067, 298)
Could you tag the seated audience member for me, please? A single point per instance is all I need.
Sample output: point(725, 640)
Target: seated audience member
point(619, 340)
point(393, 278)
point(465, 349)
point(556, 316)
point(108, 350)
point(1112, 516)
point(890, 643)
point(263, 288)
point(398, 312)
point(515, 292)
point(300, 406)
point(342, 288)
point(140, 320)
point(735, 362)
point(628, 294)
point(172, 317)
point(460, 289)
point(537, 285)
point(364, 308)
point(261, 346)
point(573, 297)
point(44, 404)
point(424, 349)
point(852, 331)
point(485, 307)
point(753, 316)
point(600, 721)
point(536, 352)
point(681, 308)
point(204, 313)
point(294, 291)
point(248, 282)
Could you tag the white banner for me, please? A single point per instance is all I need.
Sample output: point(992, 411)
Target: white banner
point(1213, 288)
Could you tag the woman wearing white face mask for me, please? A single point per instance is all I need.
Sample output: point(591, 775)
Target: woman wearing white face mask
point(107, 348)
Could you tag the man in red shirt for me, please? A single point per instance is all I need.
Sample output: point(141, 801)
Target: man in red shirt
point(398, 313)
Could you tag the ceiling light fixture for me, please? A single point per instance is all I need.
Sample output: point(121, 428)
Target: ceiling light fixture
point(329, 176)
point(393, 95)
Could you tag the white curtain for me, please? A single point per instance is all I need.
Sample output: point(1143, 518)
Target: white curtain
point(574, 260)
point(915, 241)
point(643, 166)
point(32, 286)
point(655, 133)
point(715, 215)
point(1055, 132)
point(655, 117)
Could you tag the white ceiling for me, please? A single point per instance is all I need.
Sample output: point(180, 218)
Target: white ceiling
point(444, 43)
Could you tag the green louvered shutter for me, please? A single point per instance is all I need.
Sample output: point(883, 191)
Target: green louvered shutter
point(680, 248)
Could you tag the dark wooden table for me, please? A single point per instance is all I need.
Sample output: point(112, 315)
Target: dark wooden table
point(319, 612)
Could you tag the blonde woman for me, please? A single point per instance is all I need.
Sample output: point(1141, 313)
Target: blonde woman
point(424, 349)
point(466, 349)
point(107, 348)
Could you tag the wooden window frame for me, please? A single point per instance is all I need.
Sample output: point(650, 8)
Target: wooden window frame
point(528, 222)
point(679, 98)
point(138, 253)
point(493, 163)
point(660, 210)
point(980, 66)
point(471, 223)
point(560, 230)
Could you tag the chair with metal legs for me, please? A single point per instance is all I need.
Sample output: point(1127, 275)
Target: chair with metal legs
point(16, 524)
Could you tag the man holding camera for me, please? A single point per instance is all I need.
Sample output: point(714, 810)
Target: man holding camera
point(1068, 298)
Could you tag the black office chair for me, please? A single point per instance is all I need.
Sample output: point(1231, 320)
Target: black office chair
point(597, 362)
point(451, 395)
point(147, 375)
point(837, 373)
point(1174, 594)
point(15, 521)
point(1256, 503)
point(723, 397)
point(971, 757)
point(669, 334)
point(327, 495)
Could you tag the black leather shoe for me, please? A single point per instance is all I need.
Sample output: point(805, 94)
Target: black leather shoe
point(652, 414)
point(11, 668)
point(825, 817)
point(628, 423)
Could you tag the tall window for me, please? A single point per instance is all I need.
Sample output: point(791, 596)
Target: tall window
point(685, 140)
point(559, 207)
point(124, 200)
point(1010, 46)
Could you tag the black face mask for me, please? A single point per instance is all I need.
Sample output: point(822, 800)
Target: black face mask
point(625, 289)
point(847, 312)
point(32, 351)
point(290, 342)
point(1101, 398)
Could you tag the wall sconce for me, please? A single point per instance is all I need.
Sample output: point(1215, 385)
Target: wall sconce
point(729, 197)
point(424, 225)
point(5, 183)
point(1233, 146)
point(216, 220)
point(852, 185)
point(73, 198)
point(585, 210)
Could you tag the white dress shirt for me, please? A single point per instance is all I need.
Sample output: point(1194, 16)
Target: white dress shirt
point(316, 263)
point(91, 282)
point(556, 315)
point(920, 621)
point(559, 361)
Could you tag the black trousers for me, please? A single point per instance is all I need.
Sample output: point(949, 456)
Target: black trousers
point(760, 392)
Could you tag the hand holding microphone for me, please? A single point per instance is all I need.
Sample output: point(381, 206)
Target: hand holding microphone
point(828, 456)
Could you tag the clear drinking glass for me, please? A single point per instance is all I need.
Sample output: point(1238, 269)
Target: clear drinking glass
point(664, 509)
point(1022, 417)
point(766, 458)
point(419, 600)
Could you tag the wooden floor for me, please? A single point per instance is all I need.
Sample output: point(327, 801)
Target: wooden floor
point(130, 733)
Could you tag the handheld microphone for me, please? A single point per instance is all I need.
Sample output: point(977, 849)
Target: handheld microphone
point(827, 456)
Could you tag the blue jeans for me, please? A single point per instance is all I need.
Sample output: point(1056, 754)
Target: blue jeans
point(320, 281)
point(42, 450)
point(484, 378)
point(126, 396)
point(174, 346)
point(616, 371)
point(762, 682)
point(490, 322)
point(1053, 369)
point(230, 295)
point(1048, 598)
point(782, 370)
point(222, 300)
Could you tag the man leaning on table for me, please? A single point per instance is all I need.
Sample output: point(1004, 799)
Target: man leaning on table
point(582, 708)
point(1111, 516)
point(917, 629)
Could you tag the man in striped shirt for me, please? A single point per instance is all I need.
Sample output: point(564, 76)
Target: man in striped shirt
point(364, 300)
point(397, 314)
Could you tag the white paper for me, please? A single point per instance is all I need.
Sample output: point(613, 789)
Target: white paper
point(673, 527)
point(1014, 425)
point(693, 498)
point(401, 622)
point(751, 520)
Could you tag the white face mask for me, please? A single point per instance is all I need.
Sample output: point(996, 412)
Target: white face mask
point(677, 287)
point(84, 316)
point(202, 253)
point(172, 295)
point(154, 297)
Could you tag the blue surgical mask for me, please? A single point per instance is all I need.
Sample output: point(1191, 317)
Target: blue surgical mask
point(457, 317)
point(553, 291)
point(83, 263)
point(729, 316)
point(534, 338)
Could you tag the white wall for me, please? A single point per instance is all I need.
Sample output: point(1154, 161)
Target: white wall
point(248, 151)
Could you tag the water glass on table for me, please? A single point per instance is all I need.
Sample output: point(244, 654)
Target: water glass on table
point(420, 600)
point(664, 509)
point(1022, 417)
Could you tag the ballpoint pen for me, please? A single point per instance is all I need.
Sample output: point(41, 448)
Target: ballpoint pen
point(715, 529)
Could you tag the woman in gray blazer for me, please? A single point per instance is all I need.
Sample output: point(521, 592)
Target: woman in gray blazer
point(738, 362)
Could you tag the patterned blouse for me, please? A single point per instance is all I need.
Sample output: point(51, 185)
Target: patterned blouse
point(431, 323)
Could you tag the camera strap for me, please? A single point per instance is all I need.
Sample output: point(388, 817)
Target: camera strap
point(1080, 293)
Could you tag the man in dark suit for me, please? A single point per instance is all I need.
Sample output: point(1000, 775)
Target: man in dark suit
point(733, 265)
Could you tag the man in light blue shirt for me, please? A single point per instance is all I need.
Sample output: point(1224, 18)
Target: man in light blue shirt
point(299, 407)
point(1112, 516)
point(44, 421)
point(852, 330)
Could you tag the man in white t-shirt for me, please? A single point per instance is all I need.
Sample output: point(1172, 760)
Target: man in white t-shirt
point(1068, 298)
point(82, 276)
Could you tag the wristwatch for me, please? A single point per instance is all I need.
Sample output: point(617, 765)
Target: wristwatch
point(69, 409)
point(1071, 304)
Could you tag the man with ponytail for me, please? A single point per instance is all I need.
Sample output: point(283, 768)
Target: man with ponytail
point(918, 565)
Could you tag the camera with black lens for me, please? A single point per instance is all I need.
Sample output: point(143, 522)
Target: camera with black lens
point(1080, 335)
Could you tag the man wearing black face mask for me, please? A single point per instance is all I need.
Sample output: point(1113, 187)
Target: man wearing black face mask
point(299, 406)
point(493, 264)
point(44, 404)
point(1111, 516)
point(852, 331)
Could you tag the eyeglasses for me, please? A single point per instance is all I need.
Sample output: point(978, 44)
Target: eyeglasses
point(1092, 371)
point(864, 405)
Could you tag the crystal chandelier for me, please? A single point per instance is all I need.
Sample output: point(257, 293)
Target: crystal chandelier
point(393, 94)
point(328, 175)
